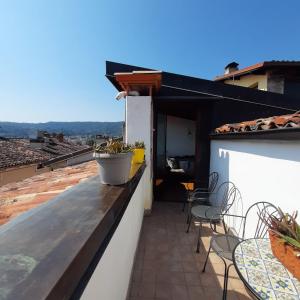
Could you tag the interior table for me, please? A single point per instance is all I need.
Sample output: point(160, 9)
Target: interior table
point(262, 273)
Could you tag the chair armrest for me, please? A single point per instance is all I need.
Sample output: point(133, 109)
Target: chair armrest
point(202, 192)
point(198, 190)
point(199, 197)
point(199, 201)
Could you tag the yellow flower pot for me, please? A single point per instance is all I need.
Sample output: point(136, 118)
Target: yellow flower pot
point(138, 156)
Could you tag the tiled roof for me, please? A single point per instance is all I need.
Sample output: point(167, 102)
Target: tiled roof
point(276, 122)
point(17, 152)
point(259, 66)
point(19, 197)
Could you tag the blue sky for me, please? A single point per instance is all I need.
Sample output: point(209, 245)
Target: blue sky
point(52, 53)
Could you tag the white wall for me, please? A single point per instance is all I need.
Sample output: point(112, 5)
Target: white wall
point(80, 158)
point(262, 170)
point(179, 142)
point(139, 128)
point(111, 278)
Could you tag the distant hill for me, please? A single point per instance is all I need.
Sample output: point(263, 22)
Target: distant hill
point(28, 130)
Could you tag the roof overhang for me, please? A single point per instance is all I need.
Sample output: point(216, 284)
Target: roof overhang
point(182, 88)
point(139, 81)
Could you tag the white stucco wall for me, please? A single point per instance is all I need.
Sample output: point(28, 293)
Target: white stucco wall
point(179, 142)
point(262, 170)
point(80, 158)
point(111, 278)
point(139, 128)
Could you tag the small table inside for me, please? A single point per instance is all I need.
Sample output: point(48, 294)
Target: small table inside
point(262, 273)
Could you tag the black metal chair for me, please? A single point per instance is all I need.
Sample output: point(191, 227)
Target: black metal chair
point(224, 244)
point(213, 207)
point(201, 194)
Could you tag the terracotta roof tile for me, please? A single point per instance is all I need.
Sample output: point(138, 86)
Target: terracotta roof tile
point(17, 152)
point(16, 198)
point(275, 122)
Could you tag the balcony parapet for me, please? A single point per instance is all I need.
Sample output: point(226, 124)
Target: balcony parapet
point(50, 252)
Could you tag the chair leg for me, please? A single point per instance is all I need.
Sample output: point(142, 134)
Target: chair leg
point(225, 284)
point(189, 223)
point(188, 213)
point(203, 270)
point(199, 237)
point(226, 276)
point(183, 206)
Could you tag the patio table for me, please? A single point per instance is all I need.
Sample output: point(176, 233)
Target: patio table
point(262, 273)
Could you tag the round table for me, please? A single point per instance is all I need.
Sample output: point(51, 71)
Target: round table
point(262, 273)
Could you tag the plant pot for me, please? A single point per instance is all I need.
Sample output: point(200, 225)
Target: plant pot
point(138, 155)
point(114, 169)
point(286, 254)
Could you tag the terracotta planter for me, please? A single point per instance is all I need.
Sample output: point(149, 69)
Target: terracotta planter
point(114, 169)
point(138, 155)
point(286, 254)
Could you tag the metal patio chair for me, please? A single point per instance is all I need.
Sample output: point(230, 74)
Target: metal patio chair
point(201, 194)
point(224, 244)
point(213, 207)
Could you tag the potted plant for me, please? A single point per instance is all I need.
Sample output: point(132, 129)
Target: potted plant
point(284, 233)
point(114, 161)
point(138, 152)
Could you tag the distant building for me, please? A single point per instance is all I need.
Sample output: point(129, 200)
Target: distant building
point(100, 139)
point(23, 158)
point(281, 77)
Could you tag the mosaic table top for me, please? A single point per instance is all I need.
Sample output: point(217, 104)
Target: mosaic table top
point(263, 274)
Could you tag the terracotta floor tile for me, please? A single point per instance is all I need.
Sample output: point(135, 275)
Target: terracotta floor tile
point(148, 276)
point(134, 289)
point(196, 293)
point(146, 290)
point(192, 279)
point(137, 276)
point(235, 283)
point(163, 291)
point(180, 292)
point(190, 266)
point(213, 280)
point(168, 267)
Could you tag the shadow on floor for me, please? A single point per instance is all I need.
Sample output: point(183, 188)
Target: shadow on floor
point(171, 191)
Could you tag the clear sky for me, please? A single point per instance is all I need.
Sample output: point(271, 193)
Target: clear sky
point(52, 53)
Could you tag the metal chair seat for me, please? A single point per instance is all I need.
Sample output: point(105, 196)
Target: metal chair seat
point(206, 212)
point(223, 245)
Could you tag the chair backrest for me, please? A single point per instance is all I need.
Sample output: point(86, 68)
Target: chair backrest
point(254, 227)
point(234, 225)
point(225, 196)
point(213, 181)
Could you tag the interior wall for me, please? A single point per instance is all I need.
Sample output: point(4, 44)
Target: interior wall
point(262, 171)
point(180, 140)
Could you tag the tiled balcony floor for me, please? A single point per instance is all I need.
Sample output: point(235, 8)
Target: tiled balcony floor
point(167, 266)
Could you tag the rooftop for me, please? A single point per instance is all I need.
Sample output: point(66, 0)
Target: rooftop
point(18, 152)
point(19, 197)
point(275, 122)
point(260, 67)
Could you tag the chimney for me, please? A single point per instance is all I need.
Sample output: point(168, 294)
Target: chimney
point(60, 137)
point(233, 66)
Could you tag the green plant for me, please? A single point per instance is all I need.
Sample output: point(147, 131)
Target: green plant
point(114, 147)
point(285, 226)
point(139, 145)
